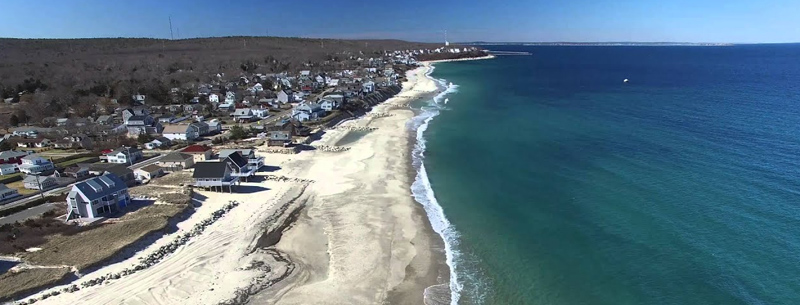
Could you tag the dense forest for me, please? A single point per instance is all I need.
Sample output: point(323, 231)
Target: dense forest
point(58, 77)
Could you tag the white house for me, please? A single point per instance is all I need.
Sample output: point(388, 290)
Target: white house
point(34, 164)
point(8, 169)
point(328, 105)
point(41, 183)
point(307, 111)
point(156, 143)
point(258, 87)
point(180, 132)
point(97, 197)
point(368, 87)
point(124, 155)
point(213, 98)
point(260, 113)
point(148, 172)
point(285, 97)
point(230, 97)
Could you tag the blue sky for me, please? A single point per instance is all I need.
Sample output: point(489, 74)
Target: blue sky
point(743, 21)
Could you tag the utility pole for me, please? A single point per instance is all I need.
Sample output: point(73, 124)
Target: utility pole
point(41, 191)
point(172, 37)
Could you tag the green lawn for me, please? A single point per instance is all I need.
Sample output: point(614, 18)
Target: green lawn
point(75, 161)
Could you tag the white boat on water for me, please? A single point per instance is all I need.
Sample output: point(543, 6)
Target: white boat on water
point(445, 100)
point(625, 80)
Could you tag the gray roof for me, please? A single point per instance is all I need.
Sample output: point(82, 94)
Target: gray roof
point(242, 112)
point(116, 169)
point(175, 157)
point(210, 170)
point(12, 154)
point(3, 187)
point(237, 159)
point(137, 118)
point(225, 152)
point(32, 179)
point(8, 165)
point(98, 187)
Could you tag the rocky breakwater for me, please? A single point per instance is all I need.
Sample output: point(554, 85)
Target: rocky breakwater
point(287, 151)
point(355, 128)
point(379, 114)
point(286, 179)
point(327, 148)
point(144, 262)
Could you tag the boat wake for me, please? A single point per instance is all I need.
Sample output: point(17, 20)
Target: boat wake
point(423, 193)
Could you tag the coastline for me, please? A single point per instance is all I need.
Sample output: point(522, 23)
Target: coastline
point(460, 59)
point(345, 228)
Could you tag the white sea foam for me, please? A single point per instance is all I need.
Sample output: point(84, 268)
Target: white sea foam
point(423, 193)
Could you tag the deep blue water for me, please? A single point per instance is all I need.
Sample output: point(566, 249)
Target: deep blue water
point(568, 186)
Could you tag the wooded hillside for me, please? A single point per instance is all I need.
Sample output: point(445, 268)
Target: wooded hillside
point(62, 74)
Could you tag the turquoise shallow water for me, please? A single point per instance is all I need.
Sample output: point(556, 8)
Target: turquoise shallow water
point(566, 186)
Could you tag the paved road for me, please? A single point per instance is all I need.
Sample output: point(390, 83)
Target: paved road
point(25, 214)
point(147, 162)
point(23, 201)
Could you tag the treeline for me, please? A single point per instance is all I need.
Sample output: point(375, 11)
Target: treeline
point(78, 77)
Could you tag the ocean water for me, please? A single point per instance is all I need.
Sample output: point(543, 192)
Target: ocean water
point(554, 182)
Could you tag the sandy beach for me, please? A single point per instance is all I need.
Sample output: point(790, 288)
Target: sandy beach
point(343, 229)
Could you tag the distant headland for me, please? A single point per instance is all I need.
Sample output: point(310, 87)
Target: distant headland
point(700, 44)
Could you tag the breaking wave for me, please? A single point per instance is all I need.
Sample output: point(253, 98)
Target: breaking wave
point(422, 191)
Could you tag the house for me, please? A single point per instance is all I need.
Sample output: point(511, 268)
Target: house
point(328, 105)
point(214, 126)
point(157, 142)
point(74, 142)
point(199, 152)
point(34, 164)
point(148, 172)
point(8, 169)
point(285, 97)
point(176, 161)
point(35, 182)
point(368, 87)
point(75, 171)
point(166, 118)
point(130, 112)
point(243, 115)
point(260, 113)
point(201, 127)
point(213, 98)
point(125, 155)
point(7, 193)
point(104, 120)
point(214, 175)
point(139, 98)
point(97, 197)
point(35, 142)
point(123, 172)
point(12, 156)
point(278, 138)
point(230, 97)
point(240, 166)
point(180, 132)
point(307, 111)
point(255, 162)
point(26, 132)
